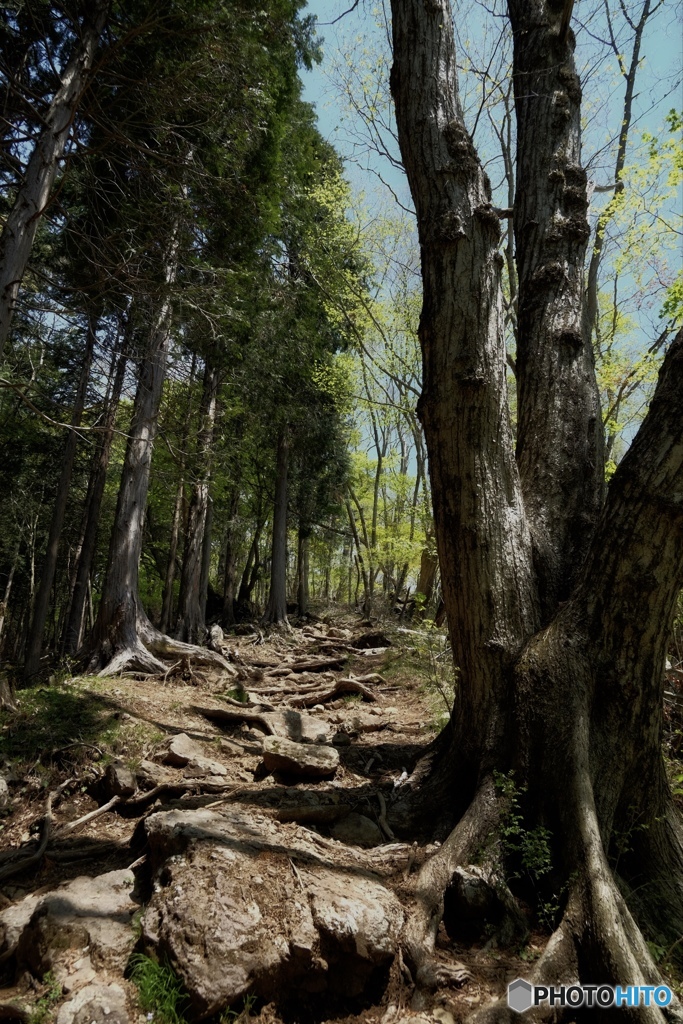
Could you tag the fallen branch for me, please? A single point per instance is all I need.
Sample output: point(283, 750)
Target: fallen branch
point(98, 812)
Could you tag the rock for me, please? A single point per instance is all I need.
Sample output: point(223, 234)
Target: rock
point(356, 918)
point(183, 752)
point(295, 726)
point(94, 912)
point(95, 1004)
point(341, 739)
point(235, 914)
point(149, 775)
point(80, 975)
point(371, 641)
point(357, 830)
point(4, 794)
point(307, 760)
point(180, 750)
point(119, 780)
point(13, 920)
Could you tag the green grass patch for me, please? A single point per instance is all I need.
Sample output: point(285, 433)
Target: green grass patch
point(160, 990)
point(44, 1007)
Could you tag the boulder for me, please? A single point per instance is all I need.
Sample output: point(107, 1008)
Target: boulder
point(119, 780)
point(243, 904)
point(4, 794)
point(13, 920)
point(94, 912)
point(95, 1004)
point(306, 760)
point(357, 830)
point(183, 752)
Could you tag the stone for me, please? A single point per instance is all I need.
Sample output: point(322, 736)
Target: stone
point(183, 752)
point(13, 920)
point(149, 775)
point(94, 912)
point(95, 1004)
point(306, 760)
point(119, 780)
point(295, 726)
point(244, 904)
point(4, 794)
point(81, 974)
point(357, 830)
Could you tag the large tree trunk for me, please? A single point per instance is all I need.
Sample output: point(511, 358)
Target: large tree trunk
point(276, 609)
point(302, 590)
point(167, 596)
point(33, 194)
point(73, 632)
point(574, 709)
point(42, 604)
point(191, 625)
point(123, 637)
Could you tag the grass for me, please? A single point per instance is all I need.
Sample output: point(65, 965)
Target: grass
point(42, 1011)
point(160, 990)
point(69, 720)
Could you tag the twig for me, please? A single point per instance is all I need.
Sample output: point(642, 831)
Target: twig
point(384, 824)
point(71, 825)
point(35, 858)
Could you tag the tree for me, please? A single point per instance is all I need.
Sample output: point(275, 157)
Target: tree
point(559, 605)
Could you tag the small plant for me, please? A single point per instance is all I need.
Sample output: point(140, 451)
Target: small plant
point(161, 990)
point(46, 1003)
point(239, 1016)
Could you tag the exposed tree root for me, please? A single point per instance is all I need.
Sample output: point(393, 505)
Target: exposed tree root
point(143, 652)
point(33, 859)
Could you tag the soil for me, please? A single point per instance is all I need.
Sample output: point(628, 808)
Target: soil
point(74, 728)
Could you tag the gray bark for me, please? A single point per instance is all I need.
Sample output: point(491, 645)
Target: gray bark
point(573, 708)
point(73, 633)
point(191, 610)
point(34, 192)
point(559, 426)
point(42, 603)
point(276, 609)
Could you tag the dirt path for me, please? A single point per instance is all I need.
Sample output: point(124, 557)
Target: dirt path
point(365, 702)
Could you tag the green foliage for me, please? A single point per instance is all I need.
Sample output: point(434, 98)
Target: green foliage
point(43, 1010)
point(160, 990)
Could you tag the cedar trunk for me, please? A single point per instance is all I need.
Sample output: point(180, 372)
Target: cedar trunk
point(558, 612)
point(276, 609)
point(191, 609)
point(34, 192)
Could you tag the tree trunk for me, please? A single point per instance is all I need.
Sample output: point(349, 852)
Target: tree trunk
point(4, 604)
point(73, 633)
point(302, 592)
point(249, 575)
point(42, 604)
point(573, 709)
point(560, 437)
point(276, 609)
point(230, 567)
point(34, 192)
point(191, 625)
point(167, 596)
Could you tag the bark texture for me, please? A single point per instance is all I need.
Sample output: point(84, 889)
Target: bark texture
point(560, 669)
point(41, 607)
point(33, 195)
point(191, 609)
point(276, 609)
point(559, 426)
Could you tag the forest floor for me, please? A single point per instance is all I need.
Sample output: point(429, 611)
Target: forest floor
point(89, 905)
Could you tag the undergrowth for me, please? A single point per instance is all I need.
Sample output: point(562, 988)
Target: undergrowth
point(160, 990)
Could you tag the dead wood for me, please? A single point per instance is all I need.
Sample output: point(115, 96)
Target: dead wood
point(97, 813)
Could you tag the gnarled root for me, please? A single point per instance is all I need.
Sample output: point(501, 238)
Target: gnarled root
point(448, 867)
point(597, 942)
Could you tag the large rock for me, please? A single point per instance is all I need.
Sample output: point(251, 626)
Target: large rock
point(183, 752)
point(357, 830)
point(307, 760)
point(95, 1004)
point(300, 728)
point(13, 920)
point(119, 780)
point(94, 912)
point(235, 914)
